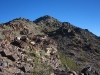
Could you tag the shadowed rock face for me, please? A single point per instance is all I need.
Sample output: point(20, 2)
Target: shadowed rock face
point(89, 71)
point(47, 46)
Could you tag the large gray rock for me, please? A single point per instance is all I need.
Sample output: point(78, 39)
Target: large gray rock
point(7, 52)
point(13, 57)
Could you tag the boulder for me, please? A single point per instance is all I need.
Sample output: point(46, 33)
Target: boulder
point(27, 68)
point(4, 63)
point(23, 38)
point(25, 31)
point(32, 42)
point(48, 52)
point(1, 69)
point(18, 64)
point(69, 30)
point(13, 57)
point(6, 52)
point(23, 44)
point(89, 71)
point(19, 43)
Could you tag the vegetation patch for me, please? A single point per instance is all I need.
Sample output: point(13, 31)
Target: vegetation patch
point(66, 61)
point(84, 59)
point(2, 36)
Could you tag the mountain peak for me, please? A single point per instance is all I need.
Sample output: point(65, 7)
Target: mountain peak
point(45, 18)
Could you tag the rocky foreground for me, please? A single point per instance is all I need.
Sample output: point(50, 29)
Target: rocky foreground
point(46, 47)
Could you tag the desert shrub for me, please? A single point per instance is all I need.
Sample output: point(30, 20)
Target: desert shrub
point(6, 27)
point(59, 36)
point(15, 33)
point(74, 43)
point(24, 32)
point(54, 32)
point(84, 59)
point(80, 49)
point(2, 36)
point(42, 52)
point(42, 69)
point(41, 34)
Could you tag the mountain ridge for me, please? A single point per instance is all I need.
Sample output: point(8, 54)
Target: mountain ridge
point(49, 45)
point(43, 18)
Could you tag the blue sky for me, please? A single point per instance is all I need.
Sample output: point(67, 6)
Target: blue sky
point(81, 13)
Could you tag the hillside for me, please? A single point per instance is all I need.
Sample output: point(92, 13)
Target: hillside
point(47, 46)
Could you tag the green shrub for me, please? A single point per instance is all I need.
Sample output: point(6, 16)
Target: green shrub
point(2, 36)
point(6, 27)
point(84, 59)
point(42, 52)
point(59, 36)
point(42, 69)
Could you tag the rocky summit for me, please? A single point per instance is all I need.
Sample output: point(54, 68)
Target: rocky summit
point(47, 46)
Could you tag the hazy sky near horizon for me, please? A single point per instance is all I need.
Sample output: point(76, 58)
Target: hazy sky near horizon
point(81, 13)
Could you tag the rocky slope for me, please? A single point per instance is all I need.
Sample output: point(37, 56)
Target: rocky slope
point(47, 46)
